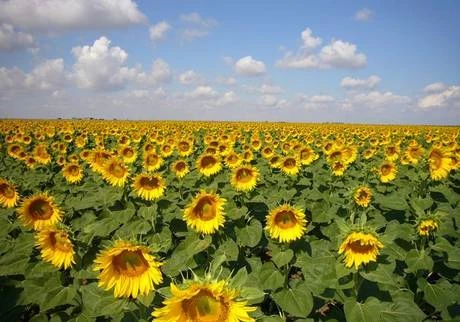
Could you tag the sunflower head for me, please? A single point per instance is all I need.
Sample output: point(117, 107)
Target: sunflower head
point(275, 162)
point(72, 173)
point(56, 247)
point(128, 268)
point(39, 211)
point(115, 172)
point(290, 165)
point(307, 155)
point(427, 226)
point(205, 213)
point(233, 160)
point(206, 300)
point(180, 168)
point(440, 163)
point(8, 194)
point(338, 168)
point(360, 247)
point(244, 178)
point(387, 171)
point(152, 161)
point(286, 223)
point(363, 196)
point(128, 154)
point(149, 186)
point(209, 164)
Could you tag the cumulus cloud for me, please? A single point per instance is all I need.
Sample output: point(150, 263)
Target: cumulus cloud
point(158, 31)
point(11, 39)
point(270, 89)
point(58, 15)
point(442, 97)
point(358, 83)
point(248, 66)
point(202, 92)
point(48, 75)
point(229, 81)
point(435, 87)
point(308, 40)
point(160, 73)
point(189, 77)
point(100, 66)
point(196, 26)
point(336, 54)
point(314, 101)
point(364, 14)
point(227, 98)
point(376, 99)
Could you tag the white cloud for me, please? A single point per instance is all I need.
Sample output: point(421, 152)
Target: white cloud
point(321, 99)
point(435, 87)
point(160, 73)
point(202, 92)
point(355, 83)
point(248, 66)
point(58, 15)
point(270, 89)
point(196, 26)
point(189, 77)
point(227, 98)
point(269, 100)
point(11, 39)
point(449, 97)
point(308, 40)
point(337, 54)
point(158, 31)
point(341, 54)
point(376, 99)
point(226, 80)
point(100, 66)
point(47, 75)
point(364, 14)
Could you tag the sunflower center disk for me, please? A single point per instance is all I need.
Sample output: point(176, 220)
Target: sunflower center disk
point(435, 160)
point(206, 209)
point(386, 169)
point(151, 160)
point(285, 219)
point(60, 241)
point(149, 183)
point(73, 170)
point(359, 248)
point(180, 167)
point(244, 175)
point(204, 307)
point(130, 263)
point(41, 209)
point(6, 190)
point(117, 170)
point(208, 162)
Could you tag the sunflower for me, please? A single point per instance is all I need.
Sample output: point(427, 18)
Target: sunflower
point(128, 268)
point(115, 172)
point(338, 168)
point(440, 163)
point(427, 226)
point(56, 247)
point(208, 165)
point(290, 166)
point(8, 195)
point(275, 162)
point(185, 148)
point(205, 213)
point(414, 152)
point(39, 211)
point(387, 171)
point(244, 178)
point(307, 155)
point(128, 154)
point(180, 168)
point(359, 248)
point(72, 173)
point(149, 186)
point(286, 223)
point(392, 153)
point(206, 300)
point(363, 196)
point(233, 160)
point(152, 161)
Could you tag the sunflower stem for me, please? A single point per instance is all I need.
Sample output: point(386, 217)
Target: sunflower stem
point(357, 284)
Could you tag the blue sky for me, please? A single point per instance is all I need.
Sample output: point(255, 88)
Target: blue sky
point(310, 61)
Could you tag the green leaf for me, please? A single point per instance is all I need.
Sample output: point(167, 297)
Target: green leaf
point(416, 260)
point(58, 296)
point(362, 312)
point(250, 234)
point(148, 212)
point(381, 273)
point(97, 302)
point(253, 295)
point(228, 248)
point(15, 261)
point(453, 258)
point(270, 277)
point(439, 295)
point(402, 310)
point(296, 301)
point(281, 258)
point(122, 216)
point(392, 201)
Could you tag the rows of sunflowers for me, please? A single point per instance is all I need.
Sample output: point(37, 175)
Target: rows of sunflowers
point(228, 221)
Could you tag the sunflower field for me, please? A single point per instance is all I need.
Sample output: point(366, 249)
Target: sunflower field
point(228, 221)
